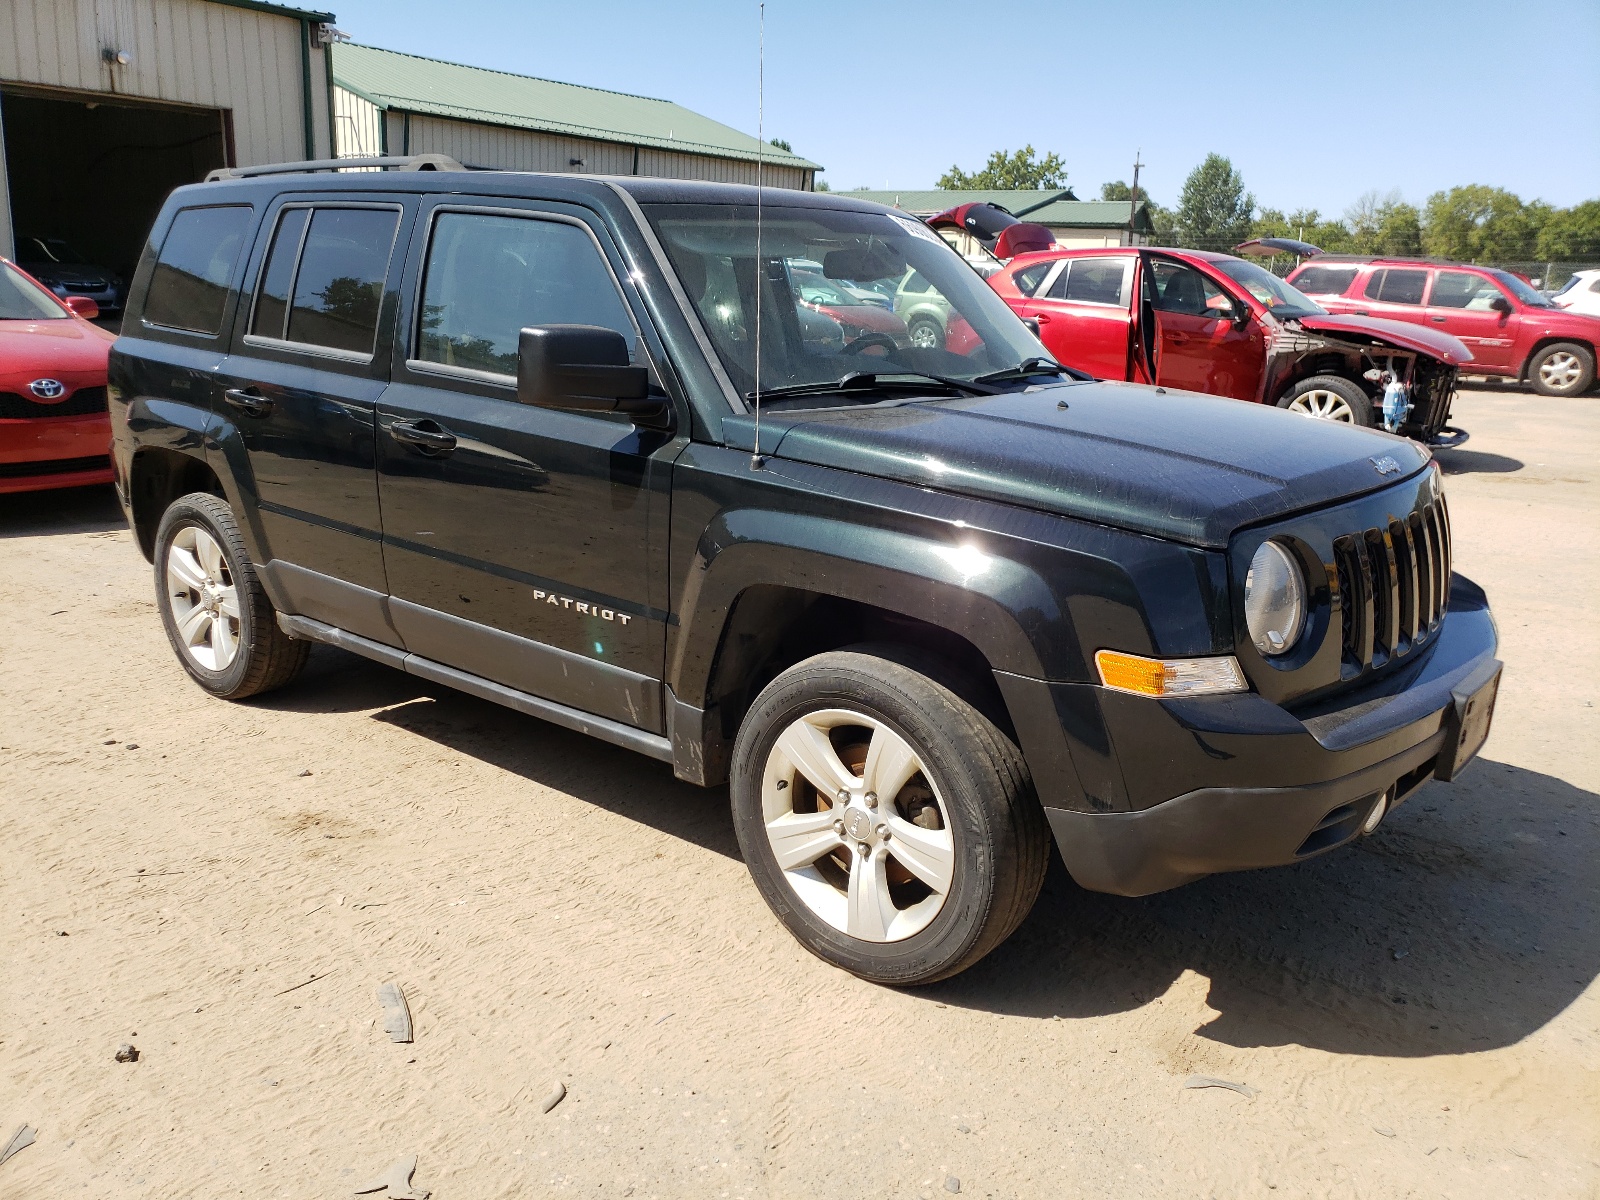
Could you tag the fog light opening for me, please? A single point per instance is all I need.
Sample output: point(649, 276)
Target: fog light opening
point(1379, 810)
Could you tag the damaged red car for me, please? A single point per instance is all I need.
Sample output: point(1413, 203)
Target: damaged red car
point(1215, 323)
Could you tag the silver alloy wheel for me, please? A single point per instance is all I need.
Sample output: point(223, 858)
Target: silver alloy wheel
point(1323, 404)
point(1561, 371)
point(925, 335)
point(849, 853)
point(205, 602)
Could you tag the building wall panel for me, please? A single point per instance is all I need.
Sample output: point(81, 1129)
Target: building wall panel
point(357, 126)
point(183, 52)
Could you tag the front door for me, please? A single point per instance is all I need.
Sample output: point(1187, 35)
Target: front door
point(1200, 347)
point(524, 545)
point(1461, 304)
point(301, 390)
point(1084, 316)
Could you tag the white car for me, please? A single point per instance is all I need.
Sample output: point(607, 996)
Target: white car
point(1581, 293)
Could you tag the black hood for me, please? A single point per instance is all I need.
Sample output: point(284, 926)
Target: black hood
point(1178, 465)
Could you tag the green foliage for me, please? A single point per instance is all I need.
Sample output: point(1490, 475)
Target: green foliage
point(1214, 210)
point(1160, 218)
point(1383, 224)
point(1006, 170)
point(1479, 222)
point(1571, 233)
point(780, 144)
point(1304, 225)
point(1119, 190)
point(822, 185)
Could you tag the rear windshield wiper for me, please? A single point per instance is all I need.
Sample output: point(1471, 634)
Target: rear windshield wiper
point(1032, 366)
point(870, 380)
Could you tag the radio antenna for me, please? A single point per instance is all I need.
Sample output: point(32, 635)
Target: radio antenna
point(761, 101)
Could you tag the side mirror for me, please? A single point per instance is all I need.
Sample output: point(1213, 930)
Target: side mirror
point(82, 306)
point(581, 368)
point(1501, 305)
point(1033, 326)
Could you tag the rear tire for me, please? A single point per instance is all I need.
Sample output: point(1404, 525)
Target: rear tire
point(1561, 369)
point(221, 625)
point(902, 889)
point(1329, 398)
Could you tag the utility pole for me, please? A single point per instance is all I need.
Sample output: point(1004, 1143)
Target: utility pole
point(1133, 199)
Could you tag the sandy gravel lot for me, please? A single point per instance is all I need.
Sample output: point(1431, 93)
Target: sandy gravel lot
point(1419, 1013)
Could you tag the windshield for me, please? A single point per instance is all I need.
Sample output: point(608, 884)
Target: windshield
point(1519, 288)
point(49, 250)
point(814, 330)
point(21, 299)
point(1281, 299)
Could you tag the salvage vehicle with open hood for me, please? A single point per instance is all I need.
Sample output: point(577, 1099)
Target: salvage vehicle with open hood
point(583, 447)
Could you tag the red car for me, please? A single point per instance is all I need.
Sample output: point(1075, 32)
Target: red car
point(1512, 330)
point(54, 431)
point(1208, 322)
point(859, 317)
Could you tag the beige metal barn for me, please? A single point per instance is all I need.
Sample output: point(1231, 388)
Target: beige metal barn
point(391, 103)
point(106, 105)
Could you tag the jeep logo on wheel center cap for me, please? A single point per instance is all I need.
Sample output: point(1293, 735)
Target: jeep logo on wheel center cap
point(858, 824)
point(48, 389)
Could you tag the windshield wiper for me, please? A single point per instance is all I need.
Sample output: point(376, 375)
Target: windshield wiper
point(1032, 366)
point(868, 380)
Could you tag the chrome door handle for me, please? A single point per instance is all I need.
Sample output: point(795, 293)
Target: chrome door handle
point(1438, 320)
point(247, 402)
point(437, 440)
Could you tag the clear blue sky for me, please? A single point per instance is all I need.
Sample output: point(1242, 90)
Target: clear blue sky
point(1315, 103)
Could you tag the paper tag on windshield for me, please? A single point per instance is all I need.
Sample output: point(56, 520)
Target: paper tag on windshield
point(916, 229)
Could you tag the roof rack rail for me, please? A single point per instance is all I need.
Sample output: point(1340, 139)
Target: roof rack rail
point(410, 162)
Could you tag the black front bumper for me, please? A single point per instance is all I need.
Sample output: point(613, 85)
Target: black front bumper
point(1144, 795)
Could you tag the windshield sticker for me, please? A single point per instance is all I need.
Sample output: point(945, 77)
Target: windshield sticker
point(917, 229)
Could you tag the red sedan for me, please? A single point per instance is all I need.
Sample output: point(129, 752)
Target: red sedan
point(54, 431)
point(860, 318)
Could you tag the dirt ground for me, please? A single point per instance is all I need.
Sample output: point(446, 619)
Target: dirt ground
point(1420, 1013)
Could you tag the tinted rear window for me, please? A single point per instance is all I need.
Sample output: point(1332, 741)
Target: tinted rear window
point(1397, 286)
point(189, 287)
point(1029, 278)
point(339, 285)
point(1324, 281)
point(1094, 281)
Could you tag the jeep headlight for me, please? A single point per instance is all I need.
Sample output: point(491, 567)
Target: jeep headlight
point(1274, 600)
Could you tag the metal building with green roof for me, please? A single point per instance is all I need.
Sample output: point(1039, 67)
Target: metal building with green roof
point(386, 102)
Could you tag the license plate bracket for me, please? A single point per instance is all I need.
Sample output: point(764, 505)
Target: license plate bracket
point(1468, 719)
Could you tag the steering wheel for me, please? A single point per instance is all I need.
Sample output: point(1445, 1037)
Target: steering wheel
point(868, 340)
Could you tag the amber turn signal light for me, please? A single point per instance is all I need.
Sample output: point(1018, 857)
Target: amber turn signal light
point(1169, 676)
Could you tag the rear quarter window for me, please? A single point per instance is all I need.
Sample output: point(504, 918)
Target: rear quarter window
point(1392, 286)
point(189, 286)
point(1324, 281)
point(1029, 278)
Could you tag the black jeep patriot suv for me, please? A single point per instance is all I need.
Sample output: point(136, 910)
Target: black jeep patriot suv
point(921, 608)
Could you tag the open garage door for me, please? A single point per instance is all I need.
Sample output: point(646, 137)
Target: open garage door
point(87, 173)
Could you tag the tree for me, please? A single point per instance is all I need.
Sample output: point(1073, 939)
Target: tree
point(1384, 224)
point(1479, 222)
point(1007, 170)
point(821, 185)
point(1214, 210)
point(781, 144)
point(1571, 233)
point(1304, 225)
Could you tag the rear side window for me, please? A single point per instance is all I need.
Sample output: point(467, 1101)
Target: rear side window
point(1462, 289)
point(324, 278)
point(488, 276)
point(1324, 281)
point(189, 287)
point(1091, 281)
point(1391, 286)
point(1029, 278)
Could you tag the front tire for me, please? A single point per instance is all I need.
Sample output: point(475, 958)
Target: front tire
point(221, 625)
point(1329, 398)
point(1561, 369)
point(926, 334)
point(888, 824)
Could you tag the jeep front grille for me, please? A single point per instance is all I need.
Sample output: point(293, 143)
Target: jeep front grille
point(1393, 586)
point(85, 402)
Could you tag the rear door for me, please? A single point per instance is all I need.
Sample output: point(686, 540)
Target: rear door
point(1461, 304)
point(1199, 347)
point(300, 390)
point(1084, 310)
point(1392, 292)
point(524, 545)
